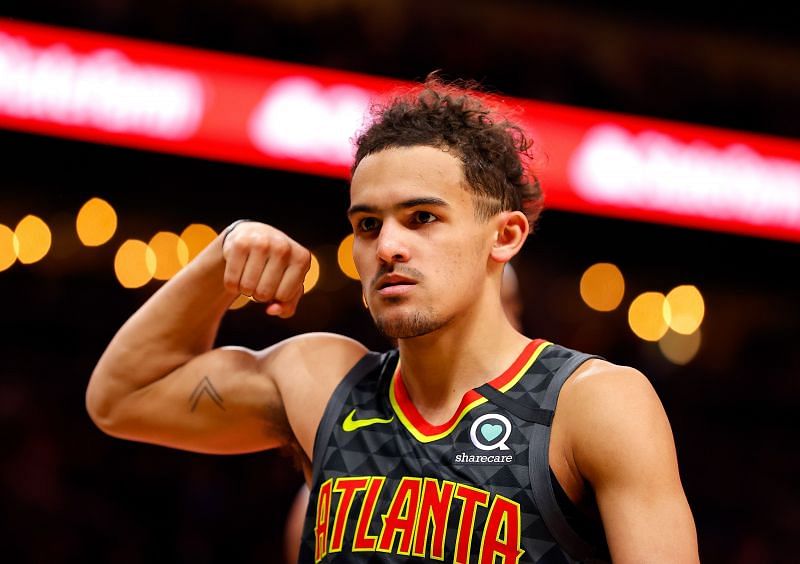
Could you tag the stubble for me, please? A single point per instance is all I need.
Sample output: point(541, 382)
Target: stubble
point(414, 324)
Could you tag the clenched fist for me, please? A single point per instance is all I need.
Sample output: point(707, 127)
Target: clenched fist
point(266, 264)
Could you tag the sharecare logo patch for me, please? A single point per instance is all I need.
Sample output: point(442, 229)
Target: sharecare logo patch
point(490, 432)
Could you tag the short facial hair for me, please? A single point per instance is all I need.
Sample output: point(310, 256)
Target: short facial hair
point(415, 324)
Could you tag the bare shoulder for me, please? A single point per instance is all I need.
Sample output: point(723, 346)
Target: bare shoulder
point(306, 370)
point(324, 355)
point(599, 386)
point(613, 415)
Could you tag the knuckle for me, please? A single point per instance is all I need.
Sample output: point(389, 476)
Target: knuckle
point(286, 293)
point(229, 280)
point(246, 286)
point(305, 259)
point(290, 294)
point(281, 248)
point(261, 244)
point(240, 244)
point(264, 292)
point(248, 245)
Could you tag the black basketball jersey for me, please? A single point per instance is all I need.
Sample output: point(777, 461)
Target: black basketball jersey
point(388, 486)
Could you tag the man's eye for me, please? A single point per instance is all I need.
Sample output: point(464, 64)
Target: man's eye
point(367, 224)
point(424, 217)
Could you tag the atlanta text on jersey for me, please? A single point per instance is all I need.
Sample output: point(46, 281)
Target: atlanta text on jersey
point(422, 517)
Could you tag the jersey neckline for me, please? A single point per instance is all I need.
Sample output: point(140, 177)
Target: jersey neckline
point(426, 432)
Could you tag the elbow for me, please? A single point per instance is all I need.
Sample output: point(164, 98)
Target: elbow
point(99, 405)
point(98, 412)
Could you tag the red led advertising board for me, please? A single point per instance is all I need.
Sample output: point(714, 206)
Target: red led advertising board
point(172, 99)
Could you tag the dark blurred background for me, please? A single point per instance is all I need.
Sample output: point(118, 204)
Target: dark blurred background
point(72, 494)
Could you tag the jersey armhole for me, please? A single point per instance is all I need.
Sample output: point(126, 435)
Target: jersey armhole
point(539, 466)
point(366, 364)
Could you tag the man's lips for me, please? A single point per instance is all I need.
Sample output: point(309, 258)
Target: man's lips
point(394, 285)
point(396, 290)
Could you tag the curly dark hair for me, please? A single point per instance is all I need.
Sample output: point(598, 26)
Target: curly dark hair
point(460, 119)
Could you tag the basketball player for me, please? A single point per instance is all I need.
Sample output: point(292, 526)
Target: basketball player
point(293, 530)
point(470, 442)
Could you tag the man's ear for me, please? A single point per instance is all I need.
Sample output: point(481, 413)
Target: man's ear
point(512, 230)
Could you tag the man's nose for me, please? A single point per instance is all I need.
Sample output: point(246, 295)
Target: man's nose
point(391, 244)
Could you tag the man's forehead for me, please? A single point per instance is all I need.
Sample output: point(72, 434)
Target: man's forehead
point(401, 177)
point(417, 165)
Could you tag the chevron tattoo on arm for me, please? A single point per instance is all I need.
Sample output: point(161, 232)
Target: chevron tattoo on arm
point(205, 386)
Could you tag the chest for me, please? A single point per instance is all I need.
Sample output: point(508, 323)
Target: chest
point(461, 494)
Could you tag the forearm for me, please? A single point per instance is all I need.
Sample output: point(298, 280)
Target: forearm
point(179, 322)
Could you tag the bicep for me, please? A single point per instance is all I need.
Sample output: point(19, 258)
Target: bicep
point(218, 402)
point(625, 449)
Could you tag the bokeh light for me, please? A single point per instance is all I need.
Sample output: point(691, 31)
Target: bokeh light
point(678, 348)
point(167, 247)
point(196, 237)
point(345, 258)
point(134, 263)
point(96, 222)
point(312, 277)
point(8, 253)
point(33, 239)
point(687, 309)
point(602, 286)
point(648, 316)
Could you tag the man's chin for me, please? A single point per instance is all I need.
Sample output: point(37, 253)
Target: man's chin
point(407, 325)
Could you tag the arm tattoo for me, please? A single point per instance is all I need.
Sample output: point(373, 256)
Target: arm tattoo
point(205, 386)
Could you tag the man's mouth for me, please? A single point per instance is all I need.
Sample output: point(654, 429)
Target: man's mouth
point(394, 285)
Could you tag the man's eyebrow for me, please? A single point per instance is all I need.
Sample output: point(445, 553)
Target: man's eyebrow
point(360, 208)
point(412, 203)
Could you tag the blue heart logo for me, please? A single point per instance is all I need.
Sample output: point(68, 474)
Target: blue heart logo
point(491, 432)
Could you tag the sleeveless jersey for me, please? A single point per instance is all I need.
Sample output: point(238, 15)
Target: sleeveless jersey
point(387, 486)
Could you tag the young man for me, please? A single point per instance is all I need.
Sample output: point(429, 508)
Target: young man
point(450, 447)
point(293, 529)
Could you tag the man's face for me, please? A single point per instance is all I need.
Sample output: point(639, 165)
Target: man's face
point(420, 251)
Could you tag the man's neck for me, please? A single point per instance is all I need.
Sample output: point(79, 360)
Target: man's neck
point(439, 368)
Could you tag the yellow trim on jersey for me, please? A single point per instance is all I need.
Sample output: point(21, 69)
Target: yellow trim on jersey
point(423, 438)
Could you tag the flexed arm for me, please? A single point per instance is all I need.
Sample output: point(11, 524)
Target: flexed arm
point(160, 381)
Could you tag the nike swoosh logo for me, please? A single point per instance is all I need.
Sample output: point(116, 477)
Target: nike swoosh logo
point(350, 424)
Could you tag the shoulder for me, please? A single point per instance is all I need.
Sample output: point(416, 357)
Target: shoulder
point(599, 385)
point(320, 353)
point(612, 415)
